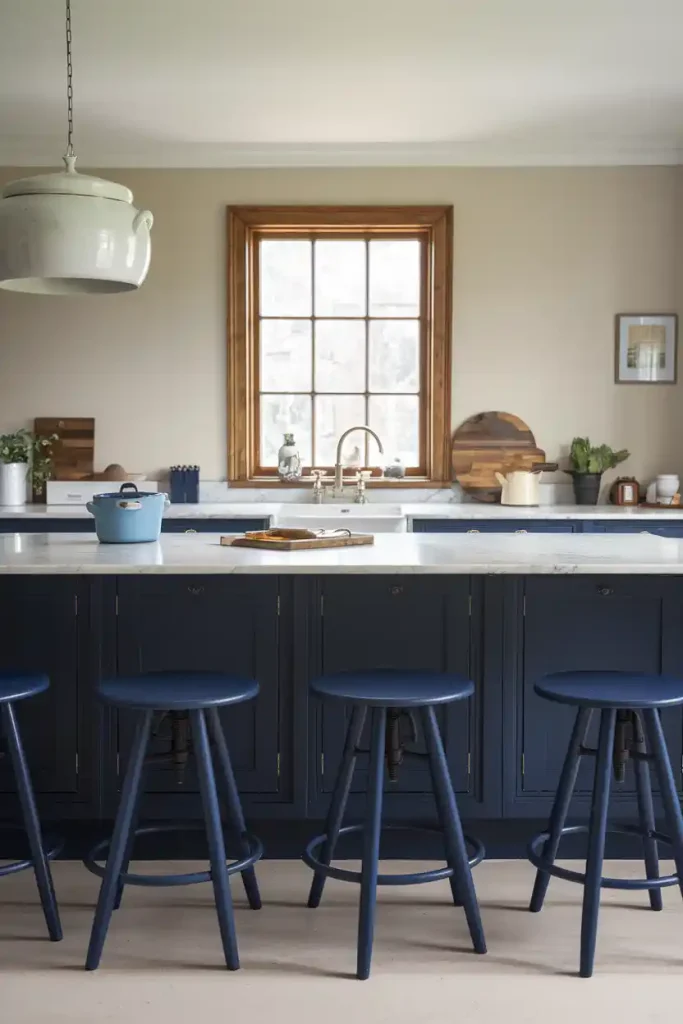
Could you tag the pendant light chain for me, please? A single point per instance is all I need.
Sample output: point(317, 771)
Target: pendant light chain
point(69, 84)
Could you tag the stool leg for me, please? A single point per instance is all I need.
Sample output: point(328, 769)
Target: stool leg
point(130, 842)
point(214, 835)
point(667, 786)
point(119, 843)
point(340, 796)
point(234, 806)
point(371, 837)
point(442, 815)
point(596, 841)
point(455, 840)
point(563, 797)
point(29, 813)
point(646, 813)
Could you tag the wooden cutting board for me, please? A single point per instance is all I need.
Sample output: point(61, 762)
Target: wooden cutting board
point(298, 543)
point(73, 455)
point(487, 443)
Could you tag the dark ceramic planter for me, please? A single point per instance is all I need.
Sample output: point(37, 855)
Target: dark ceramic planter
point(586, 487)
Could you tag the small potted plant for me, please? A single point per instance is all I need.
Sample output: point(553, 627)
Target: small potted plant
point(19, 452)
point(588, 463)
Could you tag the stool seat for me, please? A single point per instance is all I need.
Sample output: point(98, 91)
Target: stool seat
point(18, 685)
point(611, 689)
point(183, 691)
point(394, 689)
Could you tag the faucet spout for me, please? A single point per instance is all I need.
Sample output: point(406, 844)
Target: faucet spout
point(338, 468)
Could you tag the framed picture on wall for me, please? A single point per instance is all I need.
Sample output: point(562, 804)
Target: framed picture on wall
point(646, 348)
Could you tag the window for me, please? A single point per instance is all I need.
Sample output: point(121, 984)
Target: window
point(337, 317)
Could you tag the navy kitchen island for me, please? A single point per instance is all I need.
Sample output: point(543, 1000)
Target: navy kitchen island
point(502, 610)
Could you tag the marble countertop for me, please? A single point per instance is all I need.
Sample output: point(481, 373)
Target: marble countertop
point(416, 510)
point(67, 553)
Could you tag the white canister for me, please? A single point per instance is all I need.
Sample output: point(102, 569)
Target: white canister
point(13, 480)
point(667, 485)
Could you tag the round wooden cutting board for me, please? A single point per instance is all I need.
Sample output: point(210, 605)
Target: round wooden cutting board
point(487, 443)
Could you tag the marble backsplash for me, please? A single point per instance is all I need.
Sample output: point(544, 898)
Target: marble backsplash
point(219, 491)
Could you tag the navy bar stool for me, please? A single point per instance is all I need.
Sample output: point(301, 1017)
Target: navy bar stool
point(384, 694)
point(630, 727)
point(16, 686)
point(200, 694)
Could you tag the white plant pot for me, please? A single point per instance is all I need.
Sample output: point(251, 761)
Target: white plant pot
point(13, 483)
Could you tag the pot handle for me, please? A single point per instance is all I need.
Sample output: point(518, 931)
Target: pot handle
point(91, 507)
point(125, 487)
point(143, 217)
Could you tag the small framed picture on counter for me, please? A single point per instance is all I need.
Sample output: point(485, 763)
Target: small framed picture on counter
point(646, 348)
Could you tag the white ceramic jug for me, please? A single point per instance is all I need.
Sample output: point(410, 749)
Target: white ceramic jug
point(519, 487)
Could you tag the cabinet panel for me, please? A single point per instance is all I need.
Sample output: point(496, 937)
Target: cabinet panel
point(206, 623)
point(581, 624)
point(493, 526)
point(39, 616)
point(403, 623)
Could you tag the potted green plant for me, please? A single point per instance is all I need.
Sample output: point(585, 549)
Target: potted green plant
point(21, 452)
point(588, 463)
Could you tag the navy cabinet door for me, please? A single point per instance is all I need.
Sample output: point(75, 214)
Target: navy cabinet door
point(493, 526)
point(225, 624)
point(392, 622)
point(40, 633)
point(564, 624)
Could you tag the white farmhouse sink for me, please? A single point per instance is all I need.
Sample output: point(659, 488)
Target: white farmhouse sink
point(358, 518)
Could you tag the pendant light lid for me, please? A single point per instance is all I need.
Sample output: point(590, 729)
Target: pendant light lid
point(68, 183)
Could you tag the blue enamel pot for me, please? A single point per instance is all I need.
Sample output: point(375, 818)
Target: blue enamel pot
point(128, 516)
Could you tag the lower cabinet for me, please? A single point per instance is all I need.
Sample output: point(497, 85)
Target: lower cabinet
point(565, 624)
point(45, 629)
point(401, 622)
point(208, 623)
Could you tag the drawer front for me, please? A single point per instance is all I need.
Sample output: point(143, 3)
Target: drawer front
point(23, 525)
point(213, 525)
point(659, 529)
point(492, 526)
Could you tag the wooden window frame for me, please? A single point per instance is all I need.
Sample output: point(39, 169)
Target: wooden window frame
point(246, 224)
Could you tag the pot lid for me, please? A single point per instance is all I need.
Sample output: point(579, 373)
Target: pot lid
point(68, 183)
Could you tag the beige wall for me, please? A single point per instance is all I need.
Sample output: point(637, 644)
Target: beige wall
point(544, 258)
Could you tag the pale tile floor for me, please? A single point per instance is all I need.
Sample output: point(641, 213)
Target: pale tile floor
point(162, 961)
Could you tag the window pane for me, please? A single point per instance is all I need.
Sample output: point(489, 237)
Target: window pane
point(285, 414)
point(286, 277)
point(333, 415)
point(394, 355)
point(285, 355)
point(340, 278)
point(396, 418)
point(340, 355)
point(395, 277)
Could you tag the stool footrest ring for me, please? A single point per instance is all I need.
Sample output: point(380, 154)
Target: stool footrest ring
point(535, 855)
point(52, 845)
point(187, 878)
point(416, 878)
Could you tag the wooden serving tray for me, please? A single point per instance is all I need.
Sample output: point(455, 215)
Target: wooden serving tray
point(296, 540)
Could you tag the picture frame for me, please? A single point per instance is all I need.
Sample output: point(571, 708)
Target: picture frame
point(646, 348)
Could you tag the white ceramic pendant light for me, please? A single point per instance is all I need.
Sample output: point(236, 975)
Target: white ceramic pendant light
point(69, 233)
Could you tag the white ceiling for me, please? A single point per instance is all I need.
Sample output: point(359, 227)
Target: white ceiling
point(216, 83)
